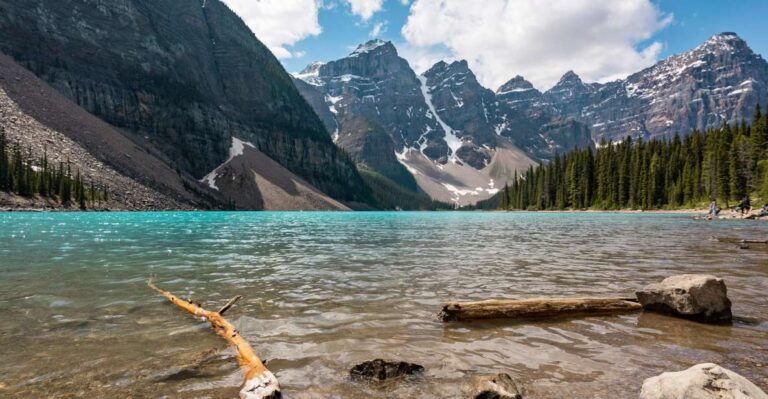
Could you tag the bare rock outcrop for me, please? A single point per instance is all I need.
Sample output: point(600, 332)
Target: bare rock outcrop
point(693, 296)
point(496, 386)
point(702, 381)
point(381, 370)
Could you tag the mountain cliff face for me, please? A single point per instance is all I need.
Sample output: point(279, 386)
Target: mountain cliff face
point(452, 134)
point(186, 76)
point(440, 132)
point(46, 124)
point(473, 113)
point(718, 82)
point(554, 132)
point(366, 96)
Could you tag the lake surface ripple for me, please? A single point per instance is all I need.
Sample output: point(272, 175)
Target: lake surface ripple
point(324, 291)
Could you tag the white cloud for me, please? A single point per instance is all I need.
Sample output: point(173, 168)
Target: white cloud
point(279, 23)
point(422, 58)
point(378, 29)
point(539, 39)
point(365, 8)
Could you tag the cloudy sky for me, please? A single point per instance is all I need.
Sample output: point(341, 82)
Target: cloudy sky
point(538, 39)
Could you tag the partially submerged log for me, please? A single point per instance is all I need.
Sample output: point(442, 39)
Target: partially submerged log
point(536, 308)
point(754, 241)
point(259, 383)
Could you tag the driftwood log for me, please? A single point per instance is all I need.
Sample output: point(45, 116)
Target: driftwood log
point(535, 308)
point(754, 241)
point(259, 383)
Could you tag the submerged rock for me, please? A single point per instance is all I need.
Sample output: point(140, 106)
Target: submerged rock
point(496, 386)
point(380, 370)
point(703, 381)
point(693, 296)
point(210, 364)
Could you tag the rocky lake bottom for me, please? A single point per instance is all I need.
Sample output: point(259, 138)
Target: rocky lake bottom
point(326, 291)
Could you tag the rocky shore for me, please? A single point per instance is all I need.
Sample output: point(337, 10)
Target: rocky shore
point(701, 298)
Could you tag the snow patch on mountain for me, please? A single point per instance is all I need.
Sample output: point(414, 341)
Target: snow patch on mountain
point(367, 47)
point(332, 100)
point(236, 149)
point(453, 141)
point(311, 74)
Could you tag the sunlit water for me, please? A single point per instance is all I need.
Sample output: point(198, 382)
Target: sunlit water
point(324, 291)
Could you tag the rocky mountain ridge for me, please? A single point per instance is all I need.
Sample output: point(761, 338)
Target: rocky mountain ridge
point(441, 132)
point(447, 129)
point(719, 81)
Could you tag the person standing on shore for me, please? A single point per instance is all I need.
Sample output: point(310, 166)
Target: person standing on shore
point(713, 211)
point(745, 206)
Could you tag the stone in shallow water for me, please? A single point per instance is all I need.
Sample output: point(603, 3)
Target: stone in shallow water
point(496, 386)
point(380, 370)
point(698, 297)
point(702, 381)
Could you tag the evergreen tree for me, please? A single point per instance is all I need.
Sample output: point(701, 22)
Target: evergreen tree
point(726, 163)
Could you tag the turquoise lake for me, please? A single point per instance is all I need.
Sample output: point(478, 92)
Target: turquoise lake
point(325, 291)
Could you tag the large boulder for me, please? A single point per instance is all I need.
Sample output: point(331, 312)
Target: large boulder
point(381, 370)
point(703, 381)
point(693, 296)
point(496, 386)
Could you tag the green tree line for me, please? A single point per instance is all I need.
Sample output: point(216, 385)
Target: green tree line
point(20, 175)
point(726, 164)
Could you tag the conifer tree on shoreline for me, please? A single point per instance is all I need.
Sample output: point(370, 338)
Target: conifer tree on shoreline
point(726, 164)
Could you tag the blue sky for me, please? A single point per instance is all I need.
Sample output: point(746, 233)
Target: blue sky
point(342, 31)
point(541, 40)
point(695, 21)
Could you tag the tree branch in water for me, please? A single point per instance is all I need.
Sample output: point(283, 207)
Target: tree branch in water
point(259, 383)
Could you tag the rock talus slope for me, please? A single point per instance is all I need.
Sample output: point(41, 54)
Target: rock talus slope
point(184, 76)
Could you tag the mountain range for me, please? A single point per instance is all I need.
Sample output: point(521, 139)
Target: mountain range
point(181, 81)
point(175, 104)
point(461, 141)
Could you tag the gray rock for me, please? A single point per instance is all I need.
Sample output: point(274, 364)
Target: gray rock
point(719, 81)
point(187, 84)
point(698, 297)
point(381, 370)
point(703, 381)
point(496, 386)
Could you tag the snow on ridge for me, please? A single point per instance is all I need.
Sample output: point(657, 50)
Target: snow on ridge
point(457, 192)
point(459, 101)
point(366, 47)
point(348, 77)
point(331, 100)
point(236, 149)
point(740, 91)
point(311, 74)
point(453, 141)
point(517, 90)
point(402, 157)
point(500, 127)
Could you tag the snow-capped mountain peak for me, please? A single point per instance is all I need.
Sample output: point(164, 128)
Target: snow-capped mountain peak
point(515, 85)
point(310, 73)
point(370, 46)
point(445, 126)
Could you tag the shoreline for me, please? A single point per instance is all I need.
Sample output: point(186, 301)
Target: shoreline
point(694, 212)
